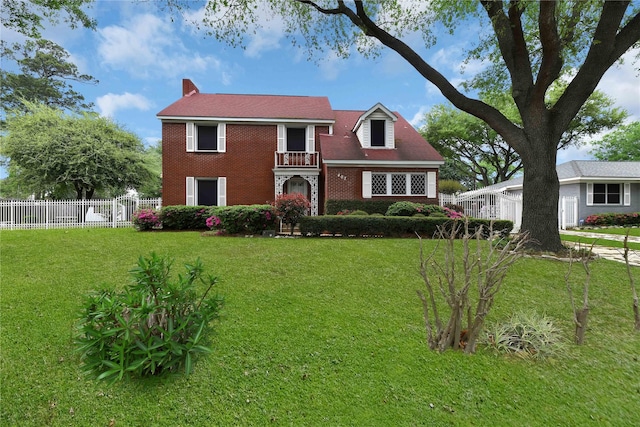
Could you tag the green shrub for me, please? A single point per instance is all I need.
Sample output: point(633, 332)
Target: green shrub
point(250, 219)
point(405, 208)
point(449, 186)
point(614, 219)
point(526, 335)
point(359, 213)
point(291, 207)
point(184, 217)
point(332, 207)
point(154, 327)
point(374, 225)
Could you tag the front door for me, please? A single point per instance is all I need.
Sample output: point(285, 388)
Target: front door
point(298, 185)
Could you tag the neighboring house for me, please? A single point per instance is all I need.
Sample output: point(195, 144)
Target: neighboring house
point(589, 187)
point(222, 149)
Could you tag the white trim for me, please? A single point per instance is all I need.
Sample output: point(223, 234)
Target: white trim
point(222, 191)
point(366, 184)
point(589, 194)
point(265, 120)
point(190, 199)
point(191, 132)
point(282, 147)
point(393, 163)
point(310, 145)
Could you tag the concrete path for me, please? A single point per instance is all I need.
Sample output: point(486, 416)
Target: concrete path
point(614, 254)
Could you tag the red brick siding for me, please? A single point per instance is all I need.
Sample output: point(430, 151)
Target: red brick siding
point(345, 183)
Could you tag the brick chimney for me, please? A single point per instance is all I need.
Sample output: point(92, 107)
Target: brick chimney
point(188, 87)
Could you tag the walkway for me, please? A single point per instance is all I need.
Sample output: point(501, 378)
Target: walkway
point(614, 254)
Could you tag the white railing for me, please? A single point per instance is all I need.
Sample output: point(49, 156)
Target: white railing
point(113, 213)
point(297, 159)
point(488, 205)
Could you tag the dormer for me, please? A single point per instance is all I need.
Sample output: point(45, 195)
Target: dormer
point(375, 128)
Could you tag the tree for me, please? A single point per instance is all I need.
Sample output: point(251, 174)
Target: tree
point(27, 16)
point(44, 73)
point(153, 162)
point(481, 154)
point(50, 152)
point(531, 45)
point(621, 144)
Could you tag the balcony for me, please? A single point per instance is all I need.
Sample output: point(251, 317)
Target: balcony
point(297, 159)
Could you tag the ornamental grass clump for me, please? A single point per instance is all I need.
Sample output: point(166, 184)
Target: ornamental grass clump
point(146, 219)
point(154, 327)
point(527, 335)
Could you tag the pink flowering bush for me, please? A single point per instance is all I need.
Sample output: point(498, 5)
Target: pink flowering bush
point(632, 218)
point(242, 219)
point(291, 207)
point(146, 219)
point(450, 213)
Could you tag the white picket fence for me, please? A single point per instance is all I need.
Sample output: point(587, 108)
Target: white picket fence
point(488, 205)
point(503, 205)
point(112, 213)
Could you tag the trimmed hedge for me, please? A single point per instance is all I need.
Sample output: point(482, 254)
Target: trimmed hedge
point(332, 207)
point(347, 225)
point(413, 208)
point(614, 219)
point(252, 219)
point(184, 217)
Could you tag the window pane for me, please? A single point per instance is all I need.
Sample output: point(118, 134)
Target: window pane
point(599, 193)
point(207, 192)
point(207, 138)
point(398, 183)
point(377, 133)
point(418, 184)
point(613, 194)
point(295, 139)
point(378, 183)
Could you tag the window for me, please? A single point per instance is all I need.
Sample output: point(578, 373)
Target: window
point(207, 192)
point(296, 139)
point(398, 184)
point(606, 194)
point(377, 133)
point(207, 138)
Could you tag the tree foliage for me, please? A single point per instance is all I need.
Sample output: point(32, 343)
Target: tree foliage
point(51, 153)
point(621, 144)
point(482, 156)
point(530, 45)
point(44, 74)
point(28, 16)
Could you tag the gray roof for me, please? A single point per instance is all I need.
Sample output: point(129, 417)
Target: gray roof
point(582, 170)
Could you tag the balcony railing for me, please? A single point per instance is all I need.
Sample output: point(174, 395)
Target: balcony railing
point(297, 159)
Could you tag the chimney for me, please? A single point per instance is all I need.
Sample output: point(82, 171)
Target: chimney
point(188, 87)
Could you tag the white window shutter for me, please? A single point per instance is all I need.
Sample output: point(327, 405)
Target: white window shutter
point(311, 139)
point(281, 141)
point(222, 137)
point(389, 137)
point(191, 191)
point(191, 137)
point(589, 194)
point(366, 184)
point(627, 194)
point(431, 185)
point(222, 191)
point(366, 134)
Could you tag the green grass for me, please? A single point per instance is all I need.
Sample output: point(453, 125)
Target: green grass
point(315, 332)
point(615, 230)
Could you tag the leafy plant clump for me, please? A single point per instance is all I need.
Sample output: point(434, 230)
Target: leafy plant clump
point(291, 207)
point(527, 335)
point(156, 326)
point(146, 219)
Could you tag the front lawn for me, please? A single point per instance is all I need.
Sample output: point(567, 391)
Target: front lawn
point(314, 332)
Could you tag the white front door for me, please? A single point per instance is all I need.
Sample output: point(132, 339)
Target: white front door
point(297, 185)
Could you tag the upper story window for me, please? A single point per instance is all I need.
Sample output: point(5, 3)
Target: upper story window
point(296, 139)
point(377, 133)
point(206, 137)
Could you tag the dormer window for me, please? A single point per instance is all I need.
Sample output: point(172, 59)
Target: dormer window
point(376, 128)
point(378, 133)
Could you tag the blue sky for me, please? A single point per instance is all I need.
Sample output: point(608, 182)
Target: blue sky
point(140, 58)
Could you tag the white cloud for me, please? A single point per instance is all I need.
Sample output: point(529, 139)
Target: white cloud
point(418, 118)
point(622, 83)
point(111, 102)
point(146, 45)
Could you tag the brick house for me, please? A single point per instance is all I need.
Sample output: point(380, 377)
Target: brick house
point(222, 149)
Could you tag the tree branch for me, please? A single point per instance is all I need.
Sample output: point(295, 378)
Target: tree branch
point(551, 48)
